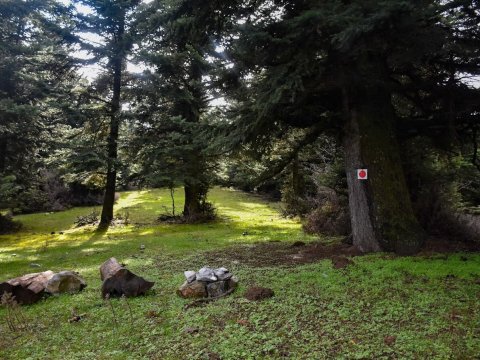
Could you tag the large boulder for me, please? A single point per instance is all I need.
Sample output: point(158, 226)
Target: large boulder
point(65, 282)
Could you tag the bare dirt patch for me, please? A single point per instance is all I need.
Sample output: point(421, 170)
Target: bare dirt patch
point(444, 246)
point(278, 254)
point(291, 254)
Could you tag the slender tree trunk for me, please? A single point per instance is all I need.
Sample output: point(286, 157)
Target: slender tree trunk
point(3, 154)
point(172, 195)
point(380, 208)
point(109, 199)
point(195, 185)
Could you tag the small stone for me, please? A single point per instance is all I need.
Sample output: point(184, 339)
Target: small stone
point(190, 276)
point(220, 270)
point(34, 265)
point(206, 274)
point(216, 288)
point(77, 318)
point(190, 330)
point(142, 247)
point(65, 282)
point(256, 293)
point(195, 289)
point(245, 233)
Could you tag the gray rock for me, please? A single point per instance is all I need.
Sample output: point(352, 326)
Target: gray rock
point(65, 282)
point(217, 288)
point(206, 274)
point(222, 273)
point(34, 265)
point(190, 275)
point(195, 289)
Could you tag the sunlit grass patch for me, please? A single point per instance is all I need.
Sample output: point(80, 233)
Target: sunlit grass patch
point(429, 306)
point(52, 240)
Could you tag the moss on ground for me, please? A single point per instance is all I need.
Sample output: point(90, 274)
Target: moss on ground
point(379, 307)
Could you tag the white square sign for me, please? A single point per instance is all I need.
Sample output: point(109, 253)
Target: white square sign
point(362, 174)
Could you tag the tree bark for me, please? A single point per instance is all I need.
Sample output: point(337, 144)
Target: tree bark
point(112, 150)
point(193, 204)
point(195, 186)
point(3, 154)
point(27, 289)
point(118, 281)
point(381, 212)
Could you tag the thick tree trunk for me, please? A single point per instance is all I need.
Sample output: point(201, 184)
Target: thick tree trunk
point(193, 196)
point(380, 208)
point(364, 237)
point(109, 198)
point(194, 187)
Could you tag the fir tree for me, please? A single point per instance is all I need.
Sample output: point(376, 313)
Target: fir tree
point(113, 22)
point(342, 68)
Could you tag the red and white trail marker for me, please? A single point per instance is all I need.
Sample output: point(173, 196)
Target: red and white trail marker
point(362, 174)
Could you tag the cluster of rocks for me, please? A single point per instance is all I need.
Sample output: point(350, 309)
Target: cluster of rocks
point(208, 282)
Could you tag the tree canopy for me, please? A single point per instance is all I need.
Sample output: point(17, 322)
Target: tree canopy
point(288, 97)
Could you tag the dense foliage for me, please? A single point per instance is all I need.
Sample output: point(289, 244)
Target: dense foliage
point(281, 97)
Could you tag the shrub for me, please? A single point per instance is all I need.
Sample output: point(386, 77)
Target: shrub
point(8, 225)
point(330, 217)
point(89, 219)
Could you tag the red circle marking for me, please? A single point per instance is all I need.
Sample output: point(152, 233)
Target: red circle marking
point(362, 174)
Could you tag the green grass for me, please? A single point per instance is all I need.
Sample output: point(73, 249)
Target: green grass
point(431, 305)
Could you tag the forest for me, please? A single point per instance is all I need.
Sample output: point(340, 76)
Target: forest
point(318, 161)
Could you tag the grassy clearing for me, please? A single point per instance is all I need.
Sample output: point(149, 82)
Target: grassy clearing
point(429, 306)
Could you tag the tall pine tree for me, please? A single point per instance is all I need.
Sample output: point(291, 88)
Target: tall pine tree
point(341, 67)
point(113, 22)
